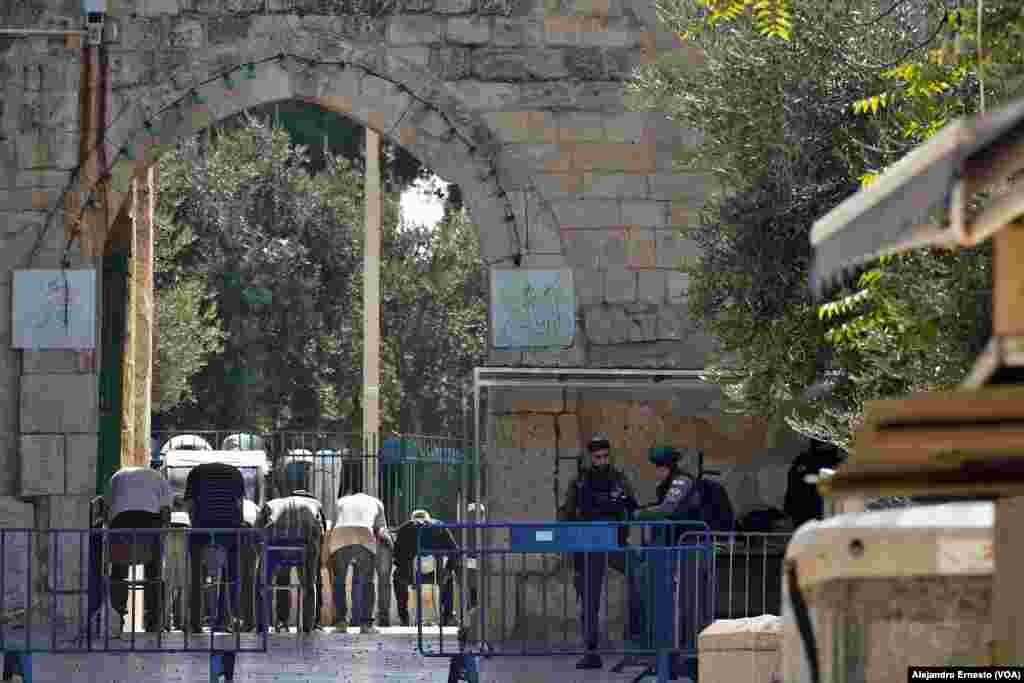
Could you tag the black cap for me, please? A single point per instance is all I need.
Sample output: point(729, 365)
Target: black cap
point(599, 442)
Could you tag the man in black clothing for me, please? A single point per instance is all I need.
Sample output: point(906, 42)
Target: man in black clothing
point(213, 495)
point(437, 538)
point(600, 493)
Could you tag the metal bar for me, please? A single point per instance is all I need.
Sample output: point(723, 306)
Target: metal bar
point(41, 32)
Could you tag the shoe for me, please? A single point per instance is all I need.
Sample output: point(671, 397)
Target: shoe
point(384, 621)
point(341, 625)
point(590, 661)
point(403, 619)
point(368, 629)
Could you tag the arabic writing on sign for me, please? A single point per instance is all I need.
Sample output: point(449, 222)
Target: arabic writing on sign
point(54, 309)
point(532, 308)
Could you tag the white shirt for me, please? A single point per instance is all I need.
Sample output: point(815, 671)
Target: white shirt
point(138, 489)
point(358, 519)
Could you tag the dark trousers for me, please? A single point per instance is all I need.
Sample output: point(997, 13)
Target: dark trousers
point(309, 579)
point(589, 579)
point(364, 567)
point(402, 582)
point(153, 590)
point(384, 568)
point(197, 546)
point(250, 557)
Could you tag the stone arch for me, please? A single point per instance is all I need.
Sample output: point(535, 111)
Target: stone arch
point(400, 101)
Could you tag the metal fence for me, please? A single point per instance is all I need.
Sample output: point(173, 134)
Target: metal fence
point(408, 471)
point(69, 602)
point(749, 571)
point(563, 588)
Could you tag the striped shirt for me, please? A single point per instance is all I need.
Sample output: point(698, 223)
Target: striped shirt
point(215, 490)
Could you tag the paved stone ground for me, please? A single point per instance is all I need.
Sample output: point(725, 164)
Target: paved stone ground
point(390, 657)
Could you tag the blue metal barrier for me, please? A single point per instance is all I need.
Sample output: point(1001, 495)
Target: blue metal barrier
point(661, 599)
point(70, 611)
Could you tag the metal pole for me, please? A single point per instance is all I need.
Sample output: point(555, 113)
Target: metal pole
point(40, 32)
point(371, 312)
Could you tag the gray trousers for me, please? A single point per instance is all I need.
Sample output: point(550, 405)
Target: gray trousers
point(384, 568)
point(364, 566)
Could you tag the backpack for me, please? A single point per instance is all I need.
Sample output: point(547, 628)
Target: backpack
point(708, 502)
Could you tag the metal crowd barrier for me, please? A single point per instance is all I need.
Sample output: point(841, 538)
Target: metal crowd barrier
point(531, 592)
point(749, 572)
point(68, 610)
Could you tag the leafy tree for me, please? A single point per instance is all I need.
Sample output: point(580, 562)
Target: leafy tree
point(837, 91)
point(187, 327)
point(281, 247)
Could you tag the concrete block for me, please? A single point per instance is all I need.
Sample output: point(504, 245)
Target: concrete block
point(468, 30)
point(741, 649)
point(414, 29)
point(583, 248)
point(587, 213)
point(59, 403)
point(523, 126)
point(580, 127)
point(628, 127)
point(562, 31)
point(640, 249)
point(618, 185)
point(619, 285)
point(80, 461)
point(508, 32)
point(558, 185)
point(483, 96)
point(450, 62)
point(643, 326)
point(148, 8)
point(688, 188)
point(42, 465)
point(585, 63)
point(603, 32)
point(674, 250)
point(454, 6)
point(418, 55)
point(517, 65)
point(612, 157)
point(605, 324)
point(671, 323)
point(589, 285)
point(645, 213)
point(677, 284)
point(568, 432)
point(651, 285)
point(53, 361)
point(571, 357)
point(518, 159)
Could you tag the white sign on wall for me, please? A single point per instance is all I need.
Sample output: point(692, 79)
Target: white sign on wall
point(54, 309)
point(532, 308)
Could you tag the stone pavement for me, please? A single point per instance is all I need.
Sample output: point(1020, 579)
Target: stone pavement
point(324, 657)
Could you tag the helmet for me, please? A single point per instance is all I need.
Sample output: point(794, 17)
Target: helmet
point(664, 456)
point(598, 442)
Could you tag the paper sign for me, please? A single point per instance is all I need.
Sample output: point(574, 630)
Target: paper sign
point(54, 309)
point(532, 308)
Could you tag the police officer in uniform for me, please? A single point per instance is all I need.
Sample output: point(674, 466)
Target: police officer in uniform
point(600, 493)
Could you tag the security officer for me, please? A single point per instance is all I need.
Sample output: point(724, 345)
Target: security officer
point(600, 493)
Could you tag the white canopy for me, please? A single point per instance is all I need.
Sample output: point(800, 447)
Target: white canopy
point(235, 458)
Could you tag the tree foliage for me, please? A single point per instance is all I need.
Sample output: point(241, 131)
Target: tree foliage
point(791, 123)
point(281, 248)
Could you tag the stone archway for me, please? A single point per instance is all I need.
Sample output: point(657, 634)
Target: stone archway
point(395, 99)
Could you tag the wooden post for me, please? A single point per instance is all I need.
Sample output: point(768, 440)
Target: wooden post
point(371, 313)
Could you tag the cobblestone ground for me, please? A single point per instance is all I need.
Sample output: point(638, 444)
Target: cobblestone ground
point(324, 657)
